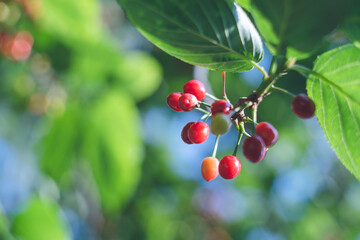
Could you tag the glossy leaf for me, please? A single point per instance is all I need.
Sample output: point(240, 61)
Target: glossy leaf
point(299, 26)
point(40, 221)
point(113, 148)
point(216, 34)
point(245, 4)
point(335, 91)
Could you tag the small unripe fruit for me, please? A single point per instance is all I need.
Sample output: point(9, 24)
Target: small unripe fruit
point(210, 168)
point(254, 148)
point(173, 101)
point(198, 132)
point(195, 88)
point(303, 106)
point(267, 132)
point(185, 133)
point(220, 106)
point(220, 124)
point(229, 167)
point(187, 102)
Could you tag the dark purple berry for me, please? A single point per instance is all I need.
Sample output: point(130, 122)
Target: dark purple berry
point(185, 133)
point(303, 106)
point(254, 148)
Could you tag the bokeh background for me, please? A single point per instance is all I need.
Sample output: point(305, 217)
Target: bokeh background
point(89, 150)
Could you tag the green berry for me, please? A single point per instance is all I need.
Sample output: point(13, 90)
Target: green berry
point(220, 124)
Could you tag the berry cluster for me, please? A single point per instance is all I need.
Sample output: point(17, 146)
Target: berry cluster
point(223, 114)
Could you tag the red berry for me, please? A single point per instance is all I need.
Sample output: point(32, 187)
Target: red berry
point(196, 88)
point(303, 106)
point(220, 106)
point(268, 133)
point(254, 148)
point(229, 167)
point(210, 168)
point(198, 132)
point(187, 102)
point(185, 133)
point(173, 101)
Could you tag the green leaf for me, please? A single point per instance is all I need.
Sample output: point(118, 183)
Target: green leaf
point(113, 148)
point(299, 26)
point(335, 90)
point(60, 145)
point(216, 34)
point(40, 221)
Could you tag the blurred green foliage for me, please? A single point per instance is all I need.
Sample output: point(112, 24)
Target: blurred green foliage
point(40, 220)
point(86, 113)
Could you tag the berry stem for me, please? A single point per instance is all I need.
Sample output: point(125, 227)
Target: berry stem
point(247, 119)
point(242, 107)
point(241, 133)
point(277, 67)
point(254, 117)
point(202, 110)
point(216, 146)
point(211, 96)
point(261, 69)
point(246, 134)
point(240, 127)
point(205, 116)
point(283, 91)
point(223, 74)
point(205, 104)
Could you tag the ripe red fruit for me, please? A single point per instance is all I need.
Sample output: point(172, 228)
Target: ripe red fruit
point(210, 168)
point(229, 167)
point(220, 106)
point(254, 148)
point(185, 133)
point(198, 132)
point(303, 106)
point(187, 102)
point(267, 132)
point(195, 88)
point(173, 101)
